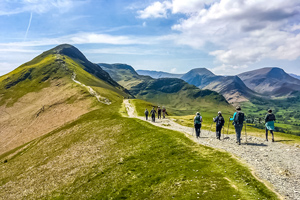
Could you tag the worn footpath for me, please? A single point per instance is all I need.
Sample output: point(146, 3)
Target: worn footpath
point(273, 162)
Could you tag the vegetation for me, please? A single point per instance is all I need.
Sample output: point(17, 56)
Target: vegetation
point(287, 113)
point(104, 155)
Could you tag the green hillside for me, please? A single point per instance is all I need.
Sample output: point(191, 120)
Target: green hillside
point(178, 96)
point(105, 156)
point(58, 63)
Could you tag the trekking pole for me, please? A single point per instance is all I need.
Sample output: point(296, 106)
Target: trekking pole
point(246, 131)
point(228, 125)
point(223, 132)
point(210, 127)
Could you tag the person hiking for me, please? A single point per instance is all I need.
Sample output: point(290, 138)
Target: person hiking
point(146, 113)
point(152, 113)
point(219, 124)
point(158, 113)
point(238, 120)
point(269, 120)
point(164, 112)
point(197, 124)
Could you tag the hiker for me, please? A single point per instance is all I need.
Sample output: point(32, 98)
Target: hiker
point(238, 120)
point(269, 120)
point(152, 113)
point(197, 124)
point(219, 124)
point(146, 113)
point(164, 112)
point(158, 112)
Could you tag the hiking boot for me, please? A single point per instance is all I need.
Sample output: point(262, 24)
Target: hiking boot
point(273, 140)
point(266, 140)
point(239, 142)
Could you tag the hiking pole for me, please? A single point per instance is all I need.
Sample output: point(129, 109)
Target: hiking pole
point(246, 131)
point(228, 125)
point(223, 132)
point(210, 127)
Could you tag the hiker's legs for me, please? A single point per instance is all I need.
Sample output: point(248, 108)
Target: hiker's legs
point(197, 130)
point(218, 131)
point(267, 134)
point(271, 131)
point(238, 130)
point(146, 117)
point(164, 114)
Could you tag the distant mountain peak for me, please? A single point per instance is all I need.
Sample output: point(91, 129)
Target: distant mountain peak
point(202, 71)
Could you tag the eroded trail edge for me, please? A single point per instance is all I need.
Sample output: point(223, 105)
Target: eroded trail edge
point(272, 162)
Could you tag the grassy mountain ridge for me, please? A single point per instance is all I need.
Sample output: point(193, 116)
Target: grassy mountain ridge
point(40, 96)
point(102, 155)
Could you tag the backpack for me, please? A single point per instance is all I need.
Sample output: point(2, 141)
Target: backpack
point(239, 118)
point(198, 119)
point(220, 121)
point(271, 117)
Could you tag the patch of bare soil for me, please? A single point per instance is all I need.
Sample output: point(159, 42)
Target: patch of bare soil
point(36, 114)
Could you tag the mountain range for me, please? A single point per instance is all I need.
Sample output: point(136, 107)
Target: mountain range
point(271, 82)
point(172, 92)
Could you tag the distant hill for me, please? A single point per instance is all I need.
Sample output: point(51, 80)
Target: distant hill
point(158, 74)
point(40, 95)
point(295, 76)
point(173, 92)
point(271, 81)
point(231, 87)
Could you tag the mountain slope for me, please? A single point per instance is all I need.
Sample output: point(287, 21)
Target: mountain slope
point(158, 74)
point(174, 93)
point(295, 76)
point(271, 81)
point(231, 87)
point(40, 95)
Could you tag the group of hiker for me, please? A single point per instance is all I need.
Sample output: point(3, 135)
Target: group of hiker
point(153, 112)
point(238, 121)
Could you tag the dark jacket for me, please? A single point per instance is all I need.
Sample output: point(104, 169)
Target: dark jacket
point(270, 117)
point(219, 121)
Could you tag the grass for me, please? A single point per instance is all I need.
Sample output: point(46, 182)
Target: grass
point(103, 155)
point(188, 120)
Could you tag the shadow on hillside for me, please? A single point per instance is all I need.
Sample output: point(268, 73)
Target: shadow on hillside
point(255, 144)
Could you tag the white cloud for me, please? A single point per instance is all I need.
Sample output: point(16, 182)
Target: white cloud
point(155, 10)
point(80, 38)
point(242, 32)
point(173, 70)
point(228, 69)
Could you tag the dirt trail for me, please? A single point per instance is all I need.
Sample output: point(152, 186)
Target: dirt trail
point(272, 162)
point(92, 91)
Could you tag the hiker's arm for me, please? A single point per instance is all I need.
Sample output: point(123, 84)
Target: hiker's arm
point(231, 119)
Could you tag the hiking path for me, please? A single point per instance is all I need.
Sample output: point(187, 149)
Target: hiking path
point(273, 162)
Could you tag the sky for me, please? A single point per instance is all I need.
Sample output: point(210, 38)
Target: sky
point(227, 37)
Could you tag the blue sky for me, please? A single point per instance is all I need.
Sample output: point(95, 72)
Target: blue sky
point(226, 36)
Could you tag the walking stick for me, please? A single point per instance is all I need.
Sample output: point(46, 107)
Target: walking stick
point(223, 132)
point(210, 127)
point(246, 131)
point(193, 131)
point(228, 125)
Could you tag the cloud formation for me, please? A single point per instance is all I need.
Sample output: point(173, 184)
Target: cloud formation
point(242, 32)
point(155, 10)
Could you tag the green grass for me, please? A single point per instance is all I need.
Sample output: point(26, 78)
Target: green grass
point(105, 156)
